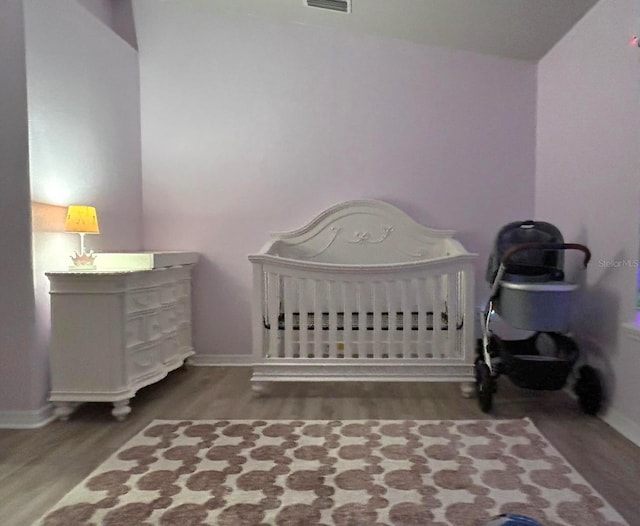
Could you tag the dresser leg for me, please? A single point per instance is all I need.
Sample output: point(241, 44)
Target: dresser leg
point(467, 389)
point(64, 409)
point(260, 388)
point(121, 409)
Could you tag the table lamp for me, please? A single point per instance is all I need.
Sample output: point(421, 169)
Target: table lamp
point(82, 220)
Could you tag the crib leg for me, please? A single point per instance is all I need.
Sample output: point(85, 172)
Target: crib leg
point(467, 389)
point(260, 388)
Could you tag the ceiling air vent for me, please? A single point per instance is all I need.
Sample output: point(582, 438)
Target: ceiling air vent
point(334, 5)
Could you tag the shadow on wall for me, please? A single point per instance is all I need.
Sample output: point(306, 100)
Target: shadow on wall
point(596, 311)
point(596, 328)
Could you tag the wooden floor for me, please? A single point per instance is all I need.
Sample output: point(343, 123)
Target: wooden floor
point(37, 467)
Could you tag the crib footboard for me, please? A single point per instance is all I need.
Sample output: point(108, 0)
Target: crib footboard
point(396, 322)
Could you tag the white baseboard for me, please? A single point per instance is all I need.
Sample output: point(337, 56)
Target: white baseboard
point(27, 419)
point(623, 425)
point(245, 360)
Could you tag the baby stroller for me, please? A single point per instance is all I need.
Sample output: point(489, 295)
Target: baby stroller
point(528, 292)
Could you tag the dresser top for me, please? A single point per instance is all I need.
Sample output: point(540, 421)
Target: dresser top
point(110, 263)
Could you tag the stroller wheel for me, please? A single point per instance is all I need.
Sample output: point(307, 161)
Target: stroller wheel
point(484, 386)
point(588, 389)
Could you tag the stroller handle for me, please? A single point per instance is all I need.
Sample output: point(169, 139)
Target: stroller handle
point(547, 246)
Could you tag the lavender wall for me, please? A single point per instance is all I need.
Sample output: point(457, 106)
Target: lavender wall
point(588, 182)
point(16, 284)
point(251, 126)
point(84, 148)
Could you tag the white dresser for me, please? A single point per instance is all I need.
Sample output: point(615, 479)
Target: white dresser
point(114, 331)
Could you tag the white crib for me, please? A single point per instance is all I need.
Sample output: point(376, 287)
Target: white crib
point(363, 292)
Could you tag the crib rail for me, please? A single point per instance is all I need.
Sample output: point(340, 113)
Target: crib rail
point(415, 315)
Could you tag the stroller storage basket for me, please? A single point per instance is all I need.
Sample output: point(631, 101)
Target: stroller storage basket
point(542, 361)
point(543, 307)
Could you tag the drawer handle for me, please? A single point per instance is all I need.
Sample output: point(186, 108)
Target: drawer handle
point(142, 363)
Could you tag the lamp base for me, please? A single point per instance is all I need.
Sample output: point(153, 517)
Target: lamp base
point(83, 261)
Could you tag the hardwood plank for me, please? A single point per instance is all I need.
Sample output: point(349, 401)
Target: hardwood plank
point(38, 467)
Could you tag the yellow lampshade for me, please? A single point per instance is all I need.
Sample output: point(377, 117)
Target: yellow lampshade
point(82, 219)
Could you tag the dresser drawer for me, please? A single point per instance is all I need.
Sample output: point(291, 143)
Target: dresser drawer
point(143, 328)
point(183, 311)
point(169, 318)
point(184, 336)
point(143, 300)
point(174, 292)
point(145, 360)
point(169, 349)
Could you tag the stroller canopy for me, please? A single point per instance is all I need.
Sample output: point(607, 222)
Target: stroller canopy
point(525, 263)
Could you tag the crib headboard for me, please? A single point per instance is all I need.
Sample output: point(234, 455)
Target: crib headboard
point(363, 232)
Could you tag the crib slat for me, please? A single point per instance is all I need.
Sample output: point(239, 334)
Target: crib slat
point(419, 287)
point(463, 309)
point(377, 301)
point(273, 308)
point(317, 319)
point(452, 312)
point(290, 297)
point(467, 314)
point(429, 284)
point(347, 317)
point(303, 318)
point(362, 323)
point(406, 319)
point(436, 302)
point(333, 318)
point(444, 310)
point(392, 333)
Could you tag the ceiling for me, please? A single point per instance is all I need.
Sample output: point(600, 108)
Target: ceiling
point(519, 29)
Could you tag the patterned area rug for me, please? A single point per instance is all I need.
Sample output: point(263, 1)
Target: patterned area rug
point(341, 473)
